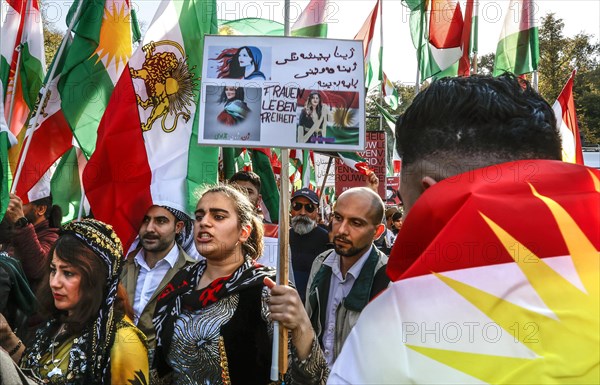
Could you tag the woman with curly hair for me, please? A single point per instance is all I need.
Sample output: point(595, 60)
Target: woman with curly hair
point(214, 320)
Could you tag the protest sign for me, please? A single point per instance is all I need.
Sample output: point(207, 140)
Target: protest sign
point(282, 92)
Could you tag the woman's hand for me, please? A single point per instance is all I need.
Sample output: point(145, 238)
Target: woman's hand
point(9, 340)
point(286, 307)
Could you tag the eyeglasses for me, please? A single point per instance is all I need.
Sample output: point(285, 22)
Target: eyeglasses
point(309, 207)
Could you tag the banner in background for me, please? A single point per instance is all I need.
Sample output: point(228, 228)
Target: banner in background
point(374, 154)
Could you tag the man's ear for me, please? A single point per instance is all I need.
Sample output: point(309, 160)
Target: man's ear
point(40, 210)
point(379, 230)
point(427, 182)
point(179, 226)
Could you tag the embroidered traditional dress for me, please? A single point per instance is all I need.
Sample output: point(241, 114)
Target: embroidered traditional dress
point(127, 365)
point(221, 334)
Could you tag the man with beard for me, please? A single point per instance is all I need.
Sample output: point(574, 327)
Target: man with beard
point(307, 240)
point(163, 235)
point(342, 281)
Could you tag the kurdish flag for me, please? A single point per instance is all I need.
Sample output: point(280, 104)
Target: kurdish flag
point(21, 30)
point(99, 52)
point(147, 150)
point(566, 117)
point(312, 22)
point(518, 49)
point(436, 29)
point(390, 93)
point(496, 280)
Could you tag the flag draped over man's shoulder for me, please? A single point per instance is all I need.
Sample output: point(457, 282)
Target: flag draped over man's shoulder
point(21, 30)
point(496, 280)
point(312, 22)
point(147, 150)
point(518, 49)
point(436, 29)
point(99, 53)
point(566, 118)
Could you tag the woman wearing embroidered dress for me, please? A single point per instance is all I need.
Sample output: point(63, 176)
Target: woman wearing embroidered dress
point(240, 63)
point(214, 319)
point(89, 339)
point(235, 109)
point(312, 124)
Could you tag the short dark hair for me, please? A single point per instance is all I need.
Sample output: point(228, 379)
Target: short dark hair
point(477, 121)
point(53, 212)
point(246, 176)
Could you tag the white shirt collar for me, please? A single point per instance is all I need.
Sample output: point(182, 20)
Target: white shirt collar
point(333, 261)
point(170, 258)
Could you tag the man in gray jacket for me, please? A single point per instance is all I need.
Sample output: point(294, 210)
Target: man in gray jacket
point(342, 281)
point(156, 260)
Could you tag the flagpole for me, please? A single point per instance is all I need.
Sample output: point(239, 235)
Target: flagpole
point(279, 354)
point(475, 33)
point(381, 62)
point(534, 76)
point(17, 67)
point(43, 97)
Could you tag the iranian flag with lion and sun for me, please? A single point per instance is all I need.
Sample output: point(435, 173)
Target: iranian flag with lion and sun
point(495, 281)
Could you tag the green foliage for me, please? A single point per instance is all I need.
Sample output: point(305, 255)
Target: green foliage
point(376, 122)
point(559, 56)
point(52, 39)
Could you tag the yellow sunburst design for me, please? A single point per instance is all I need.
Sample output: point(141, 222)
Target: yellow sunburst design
point(343, 117)
point(115, 36)
point(566, 349)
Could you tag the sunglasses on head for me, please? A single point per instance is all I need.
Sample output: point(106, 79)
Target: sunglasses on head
point(309, 207)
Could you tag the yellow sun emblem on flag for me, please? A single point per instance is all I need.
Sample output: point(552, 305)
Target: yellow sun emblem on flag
point(114, 46)
point(568, 348)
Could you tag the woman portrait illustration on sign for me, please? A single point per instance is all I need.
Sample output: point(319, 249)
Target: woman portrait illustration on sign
point(235, 108)
point(312, 125)
point(240, 63)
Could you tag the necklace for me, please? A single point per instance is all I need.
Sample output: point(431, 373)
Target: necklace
point(55, 362)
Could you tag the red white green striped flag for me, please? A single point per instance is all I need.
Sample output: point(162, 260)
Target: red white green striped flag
point(518, 49)
point(75, 98)
point(366, 35)
point(48, 140)
point(312, 22)
point(436, 29)
point(7, 140)
point(566, 118)
point(355, 162)
point(147, 150)
point(21, 30)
